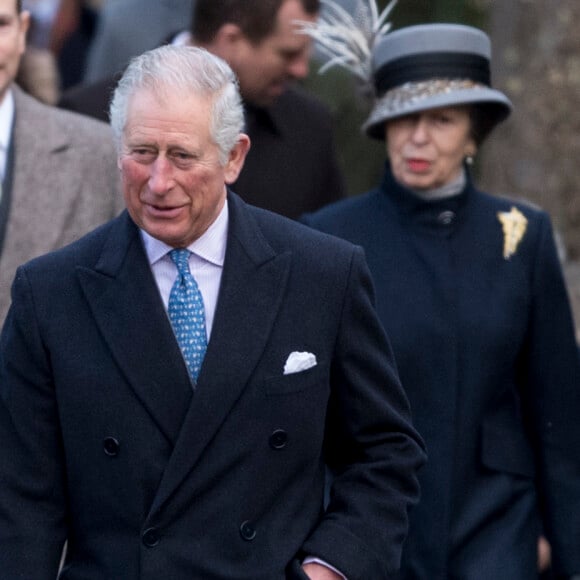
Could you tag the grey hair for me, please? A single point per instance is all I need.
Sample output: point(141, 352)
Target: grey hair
point(189, 70)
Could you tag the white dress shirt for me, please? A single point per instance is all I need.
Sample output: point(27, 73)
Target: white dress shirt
point(6, 120)
point(205, 263)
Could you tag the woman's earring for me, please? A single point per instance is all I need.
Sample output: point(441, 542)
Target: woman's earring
point(469, 160)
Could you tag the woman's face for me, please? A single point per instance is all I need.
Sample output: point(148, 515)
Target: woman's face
point(427, 149)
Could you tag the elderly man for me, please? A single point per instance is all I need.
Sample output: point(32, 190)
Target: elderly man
point(173, 384)
point(58, 170)
point(292, 167)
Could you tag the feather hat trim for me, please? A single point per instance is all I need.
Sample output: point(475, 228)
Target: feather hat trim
point(412, 69)
point(347, 39)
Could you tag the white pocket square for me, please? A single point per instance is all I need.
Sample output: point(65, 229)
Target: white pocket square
point(298, 362)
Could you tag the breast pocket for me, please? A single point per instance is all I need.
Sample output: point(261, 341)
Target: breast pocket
point(313, 378)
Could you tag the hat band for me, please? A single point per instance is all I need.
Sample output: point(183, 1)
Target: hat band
point(439, 65)
point(399, 99)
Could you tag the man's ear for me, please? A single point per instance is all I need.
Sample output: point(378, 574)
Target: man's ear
point(237, 157)
point(226, 42)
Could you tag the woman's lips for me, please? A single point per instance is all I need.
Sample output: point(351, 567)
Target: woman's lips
point(418, 165)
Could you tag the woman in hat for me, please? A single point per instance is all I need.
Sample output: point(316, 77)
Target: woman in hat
point(470, 291)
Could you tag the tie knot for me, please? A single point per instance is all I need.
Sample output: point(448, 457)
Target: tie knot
point(180, 257)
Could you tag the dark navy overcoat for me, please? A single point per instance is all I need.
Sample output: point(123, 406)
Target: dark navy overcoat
point(483, 336)
point(105, 444)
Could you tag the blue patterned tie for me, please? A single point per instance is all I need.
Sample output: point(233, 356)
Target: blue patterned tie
point(187, 314)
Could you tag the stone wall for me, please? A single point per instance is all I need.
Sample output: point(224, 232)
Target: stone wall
point(536, 154)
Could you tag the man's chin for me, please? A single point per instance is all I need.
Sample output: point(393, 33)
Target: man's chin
point(266, 100)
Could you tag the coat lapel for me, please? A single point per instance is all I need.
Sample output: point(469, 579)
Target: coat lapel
point(128, 310)
point(253, 284)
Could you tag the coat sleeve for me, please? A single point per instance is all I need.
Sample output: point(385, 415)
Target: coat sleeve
point(551, 395)
point(32, 500)
point(371, 445)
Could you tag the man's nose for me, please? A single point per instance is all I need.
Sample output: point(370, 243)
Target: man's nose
point(161, 175)
point(299, 67)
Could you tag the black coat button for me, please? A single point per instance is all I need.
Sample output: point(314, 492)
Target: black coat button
point(150, 537)
point(278, 439)
point(247, 531)
point(446, 217)
point(111, 446)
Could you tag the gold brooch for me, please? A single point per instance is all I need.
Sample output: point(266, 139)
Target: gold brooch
point(514, 224)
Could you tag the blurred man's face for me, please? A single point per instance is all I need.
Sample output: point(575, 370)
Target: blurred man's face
point(13, 27)
point(264, 70)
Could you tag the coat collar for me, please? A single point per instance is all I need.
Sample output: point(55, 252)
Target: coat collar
point(438, 216)
point(125, 302)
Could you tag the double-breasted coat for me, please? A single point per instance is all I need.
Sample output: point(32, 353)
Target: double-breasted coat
point(482, 332)
point(106, 444)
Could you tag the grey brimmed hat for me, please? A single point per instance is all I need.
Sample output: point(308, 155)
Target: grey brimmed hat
point(428, 66)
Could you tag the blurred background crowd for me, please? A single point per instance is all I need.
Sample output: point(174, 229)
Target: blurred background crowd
point(536, 63)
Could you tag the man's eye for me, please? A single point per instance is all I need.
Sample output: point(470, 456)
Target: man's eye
point(182, 156)
point(182, 159)
point(142, 154)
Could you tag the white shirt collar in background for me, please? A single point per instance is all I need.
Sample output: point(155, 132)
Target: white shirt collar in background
point(6, 120)
point(182, 38)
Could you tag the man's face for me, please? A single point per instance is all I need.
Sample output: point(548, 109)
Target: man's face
point(173, 181)
point(265, 69)
point(13, 27)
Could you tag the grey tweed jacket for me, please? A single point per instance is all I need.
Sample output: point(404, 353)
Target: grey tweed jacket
point(64, 183)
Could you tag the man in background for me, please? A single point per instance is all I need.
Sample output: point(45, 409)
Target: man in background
point(126, 28)
point(291, 167)
point(58, 170)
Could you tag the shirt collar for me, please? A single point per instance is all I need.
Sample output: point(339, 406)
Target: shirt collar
point(211, 246)
point(6, 119)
